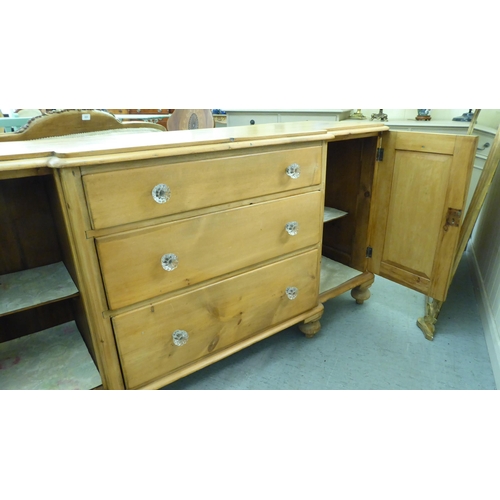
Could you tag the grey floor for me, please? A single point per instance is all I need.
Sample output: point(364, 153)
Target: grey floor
point(373, 346)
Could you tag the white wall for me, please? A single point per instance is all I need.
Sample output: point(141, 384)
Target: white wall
point(485, 252)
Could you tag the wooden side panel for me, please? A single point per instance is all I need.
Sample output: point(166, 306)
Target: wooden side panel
point(421, 177)
point(89, 279)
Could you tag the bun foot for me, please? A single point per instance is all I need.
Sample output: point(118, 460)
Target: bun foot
point(362, 292)
point(311, 326)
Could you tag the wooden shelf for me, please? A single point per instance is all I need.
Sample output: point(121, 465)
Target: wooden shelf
point(332, 214)
point(334, 274)
point(56, 358)
point(35, 287)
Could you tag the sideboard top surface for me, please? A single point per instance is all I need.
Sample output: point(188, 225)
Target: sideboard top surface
point(49, 150)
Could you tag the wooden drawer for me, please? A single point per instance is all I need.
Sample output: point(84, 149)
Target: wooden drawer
point(125, 196)
point(205, 247)
point(214, 318)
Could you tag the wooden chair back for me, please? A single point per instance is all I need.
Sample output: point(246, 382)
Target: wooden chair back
point(190, 119)
point(72, 121)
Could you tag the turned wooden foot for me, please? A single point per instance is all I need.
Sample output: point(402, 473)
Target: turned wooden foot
point(362, 292)
point(311, 326)
point(428, 322)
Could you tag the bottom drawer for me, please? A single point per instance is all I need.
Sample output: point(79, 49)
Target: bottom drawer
point(156, 340)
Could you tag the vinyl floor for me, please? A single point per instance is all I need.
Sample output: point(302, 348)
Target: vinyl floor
point(374, 346)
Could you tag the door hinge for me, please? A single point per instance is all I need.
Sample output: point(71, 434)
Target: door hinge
point(369, 252)
point(453, 218)
point(380, 154)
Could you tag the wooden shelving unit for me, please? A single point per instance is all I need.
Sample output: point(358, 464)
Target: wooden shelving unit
point(55, 358)
point(335, 274)
point(40, 343)
point(333, 214)
point(35, 287)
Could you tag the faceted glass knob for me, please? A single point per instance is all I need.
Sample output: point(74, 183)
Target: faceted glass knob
point(180, 337)
point(161, 193)
point(292, 292)
point(292, 228)
point(293, 171)
point(169, 261)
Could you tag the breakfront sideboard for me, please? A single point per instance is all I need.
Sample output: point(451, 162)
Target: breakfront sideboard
point(182, 248)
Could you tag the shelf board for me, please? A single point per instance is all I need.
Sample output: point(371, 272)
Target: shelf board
point(332, 214)
point(334, 274)
point(35, 287)
point(56, 358)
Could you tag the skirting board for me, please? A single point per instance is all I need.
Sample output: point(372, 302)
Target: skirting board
point(490, 328)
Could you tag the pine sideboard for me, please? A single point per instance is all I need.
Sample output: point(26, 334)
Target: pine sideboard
point(185, 247)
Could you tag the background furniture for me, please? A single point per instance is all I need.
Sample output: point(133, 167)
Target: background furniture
point(10, 124)
point(237, 117)
point(220, 119)
point(187, 247)
point(190, 119)
point(29, 113)
point(160, 116)
point(73, 121)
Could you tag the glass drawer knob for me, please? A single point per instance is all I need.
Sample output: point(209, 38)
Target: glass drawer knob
point(180, 337)
point(169, 261)
point(293, 171)
point(161, 193)
point(292, 292)
point(292, 228)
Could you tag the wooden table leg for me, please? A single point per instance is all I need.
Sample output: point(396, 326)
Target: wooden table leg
point(428, 322)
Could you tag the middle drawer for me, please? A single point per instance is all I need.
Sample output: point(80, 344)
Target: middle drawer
point(142, 264)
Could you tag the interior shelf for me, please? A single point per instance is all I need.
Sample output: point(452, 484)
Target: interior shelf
point(56, 358)
point(35, 287)
point(334, 274)
point(332, 214)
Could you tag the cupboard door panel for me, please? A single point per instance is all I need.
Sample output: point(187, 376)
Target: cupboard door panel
point(421, 177)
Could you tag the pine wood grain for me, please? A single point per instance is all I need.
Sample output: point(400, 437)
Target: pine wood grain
point(125, 196)
point(215, 317)
point(206, 246)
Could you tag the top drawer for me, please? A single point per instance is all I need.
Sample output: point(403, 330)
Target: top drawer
point(131, 195)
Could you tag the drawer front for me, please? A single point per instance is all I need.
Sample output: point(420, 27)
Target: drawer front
point(145, 263)
point(213, 318)
point(125, 196)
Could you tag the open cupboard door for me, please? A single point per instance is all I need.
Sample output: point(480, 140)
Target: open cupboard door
point(419, 194)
